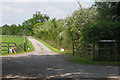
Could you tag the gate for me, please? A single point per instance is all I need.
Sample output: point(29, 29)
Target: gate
point(82, 48)
point(7, 45)
point(102, 50)
point(106, 50)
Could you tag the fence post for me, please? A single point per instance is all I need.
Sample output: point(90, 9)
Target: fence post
point(8, 46)
point(116, 50)
point(95, 51)
point(93, 44)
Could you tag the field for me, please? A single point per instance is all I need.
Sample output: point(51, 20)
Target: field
point(15, 39)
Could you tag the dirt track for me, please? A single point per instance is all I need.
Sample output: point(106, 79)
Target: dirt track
point(43, 63)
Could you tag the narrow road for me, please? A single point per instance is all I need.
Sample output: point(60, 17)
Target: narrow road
point(44, 63)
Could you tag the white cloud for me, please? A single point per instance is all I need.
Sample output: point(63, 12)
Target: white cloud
point(13, 9)
point(37, 0)
point(51, 10)
point(86, 0)
point(0, 14)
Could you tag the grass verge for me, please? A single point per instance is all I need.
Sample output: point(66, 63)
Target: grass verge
point(78, 59)
point(52, 48)
point(29, 46)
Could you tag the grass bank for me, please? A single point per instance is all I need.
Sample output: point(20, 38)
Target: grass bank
point(86, 59)
point(52, 48)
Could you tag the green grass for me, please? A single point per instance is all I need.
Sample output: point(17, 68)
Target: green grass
point(17, 40)
point(82, 60)
point(86, 59)
point(11, 38)
point(29, 45)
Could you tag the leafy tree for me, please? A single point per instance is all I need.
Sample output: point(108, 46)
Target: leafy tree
point(37, 18)
point(78, 20)
point(109, 11)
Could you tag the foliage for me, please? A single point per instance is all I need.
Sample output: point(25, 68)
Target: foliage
point(78, 20)
point(28, 44)
point(53, 48)
point(54, 32)
point(109, 11)
point(101, 30)
point(10, 30)
point(27, 26)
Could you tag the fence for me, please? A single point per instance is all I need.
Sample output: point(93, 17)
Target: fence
point(7, 45)
point(106, 50)
point(21, 47)
point(82, 48)
point(14, 47)
point(102, 50)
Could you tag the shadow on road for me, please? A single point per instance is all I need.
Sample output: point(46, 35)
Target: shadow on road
point(51, 66)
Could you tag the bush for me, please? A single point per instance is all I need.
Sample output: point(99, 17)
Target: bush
point(101, 30)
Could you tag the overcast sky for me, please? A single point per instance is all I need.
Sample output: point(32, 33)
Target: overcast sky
point(17, 12)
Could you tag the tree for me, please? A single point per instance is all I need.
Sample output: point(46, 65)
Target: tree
point(37, 18)
point(109, 11)
point(78, 20)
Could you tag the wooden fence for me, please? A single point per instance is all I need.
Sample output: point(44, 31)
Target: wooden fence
point(82, 48)
point(106, 50)
point(102, 50)
point(7, 45)
point(21, 47)
point(14, 47)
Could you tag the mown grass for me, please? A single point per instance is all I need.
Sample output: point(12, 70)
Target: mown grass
point(85, 59)
point(11, 38)
point(17, 40)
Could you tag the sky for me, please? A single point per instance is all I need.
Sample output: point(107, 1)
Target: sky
point(17, 11)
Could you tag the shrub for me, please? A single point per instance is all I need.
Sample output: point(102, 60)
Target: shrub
point(101, 30)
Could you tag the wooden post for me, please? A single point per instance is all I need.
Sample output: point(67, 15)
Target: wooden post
point(14, 44)
point(116, 50)
point(93, 51)
point(8, 46)
point(97, 49)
